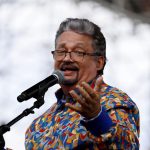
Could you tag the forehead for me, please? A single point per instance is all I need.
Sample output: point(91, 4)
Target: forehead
point(70, 37)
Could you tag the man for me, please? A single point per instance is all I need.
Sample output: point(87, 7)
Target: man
point(89, 114)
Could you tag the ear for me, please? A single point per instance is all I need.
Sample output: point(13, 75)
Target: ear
point(100, 62)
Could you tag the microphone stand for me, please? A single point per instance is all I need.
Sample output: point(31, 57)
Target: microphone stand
point(37, 104)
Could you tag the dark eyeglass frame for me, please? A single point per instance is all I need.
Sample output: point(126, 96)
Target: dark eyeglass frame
point(82, 54)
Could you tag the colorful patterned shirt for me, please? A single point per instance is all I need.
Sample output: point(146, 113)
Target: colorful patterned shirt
point(116, 126)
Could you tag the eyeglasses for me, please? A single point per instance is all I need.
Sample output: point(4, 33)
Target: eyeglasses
point(74, 55)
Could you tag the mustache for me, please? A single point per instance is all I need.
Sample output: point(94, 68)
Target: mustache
point(68, 66)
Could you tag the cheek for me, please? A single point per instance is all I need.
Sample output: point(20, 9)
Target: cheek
point(88, 69)
point(89, 65)
point(56, 65)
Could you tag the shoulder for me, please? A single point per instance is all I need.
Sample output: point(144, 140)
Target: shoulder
point(113, 97)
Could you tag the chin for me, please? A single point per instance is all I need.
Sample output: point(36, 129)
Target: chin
point(70, 82)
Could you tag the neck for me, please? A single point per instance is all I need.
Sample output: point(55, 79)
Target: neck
point(66, 89)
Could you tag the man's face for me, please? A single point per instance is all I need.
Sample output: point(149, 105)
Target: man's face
point(76, 71)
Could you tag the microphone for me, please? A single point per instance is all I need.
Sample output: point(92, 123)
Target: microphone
point(56, 77)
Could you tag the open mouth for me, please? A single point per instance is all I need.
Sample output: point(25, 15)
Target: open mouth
point(68, 68)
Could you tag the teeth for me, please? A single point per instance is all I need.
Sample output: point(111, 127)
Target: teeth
point(68, 69)
point(63, 68)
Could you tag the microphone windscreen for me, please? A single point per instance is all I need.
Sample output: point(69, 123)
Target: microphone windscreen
point(59, 75)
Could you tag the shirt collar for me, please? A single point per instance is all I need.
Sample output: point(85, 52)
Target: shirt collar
point(62, 98)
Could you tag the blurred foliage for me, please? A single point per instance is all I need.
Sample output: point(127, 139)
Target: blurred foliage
point(136, 9)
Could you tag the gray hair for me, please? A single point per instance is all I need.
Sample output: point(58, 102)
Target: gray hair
point(84, 26)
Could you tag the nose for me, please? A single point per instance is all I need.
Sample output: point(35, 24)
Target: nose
point(68, 57)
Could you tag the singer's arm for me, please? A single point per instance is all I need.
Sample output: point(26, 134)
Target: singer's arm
point(117, 126)
point(117, 123)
